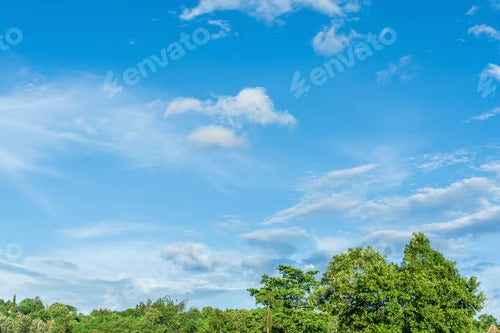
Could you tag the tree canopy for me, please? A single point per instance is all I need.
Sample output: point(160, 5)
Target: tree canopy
point(360, 291)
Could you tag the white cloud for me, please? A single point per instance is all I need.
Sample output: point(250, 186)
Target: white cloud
point(279, 241)
point(329, 41)
point(359, 198)
point(190, 256)
point(216, 137)
point(489, 284)
point(460, 196)
point(487, 115)
point(251, 105)
point(491, 72)
point(485, 30)
point(388, 241)
point(335, 178)
point(230, 222)
point(439, 160)
point(275, 235)
point(486, 220)
point(473, 10)
point(492, 167)
point(224, 26)
point(269, 10)
point(103, 229)
point(330, 246)
point(323, 195)
point(404, 70)
point(37, 125)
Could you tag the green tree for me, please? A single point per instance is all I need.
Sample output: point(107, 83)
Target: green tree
point(359, 290)
point(484, 322)
point(31, 305)
point(286, 297)
point(436, 298)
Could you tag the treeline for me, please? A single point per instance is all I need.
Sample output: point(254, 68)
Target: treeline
point(359, 292)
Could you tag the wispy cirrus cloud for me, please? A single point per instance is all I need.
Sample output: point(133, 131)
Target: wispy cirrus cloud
point(103, 229)
point(359, 202)
point(36, 125)
point(472, 10)
point(269, 10)
point(403, 70)
point(284, 240)
point(484, 30)
point(487, 115)
point(438, 160)
point(485, 220)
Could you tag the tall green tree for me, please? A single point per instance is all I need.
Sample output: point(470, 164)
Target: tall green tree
point(436, 298)
point(359, 290)
point(31, 305)
point(287, 301)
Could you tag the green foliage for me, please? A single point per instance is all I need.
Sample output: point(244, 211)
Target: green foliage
point(359, 289)
point(31, 305)
point(288, 303)
point(435, 297)
point(483, 323)
point(359, 292)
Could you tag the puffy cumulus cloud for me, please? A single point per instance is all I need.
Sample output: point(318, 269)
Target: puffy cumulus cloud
point(250, 105)
point(189, 256)
point(269, 10)
point(484, 30)
point(55, 119)
point(126, 272)
point(217, 137)
point(331, 40)
point(492, 167)
point(403, 70)
point(390, 242)
point(330, 245)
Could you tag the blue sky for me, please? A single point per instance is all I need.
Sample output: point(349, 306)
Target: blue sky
point(123, 177)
